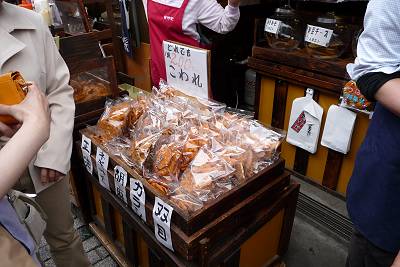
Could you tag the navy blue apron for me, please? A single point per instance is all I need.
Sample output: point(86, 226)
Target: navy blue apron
point(373, 194)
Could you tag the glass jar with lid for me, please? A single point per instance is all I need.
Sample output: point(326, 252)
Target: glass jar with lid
point(283, 29)
point(328, 37)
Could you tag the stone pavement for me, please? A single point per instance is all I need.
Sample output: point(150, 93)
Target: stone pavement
point(97, 254)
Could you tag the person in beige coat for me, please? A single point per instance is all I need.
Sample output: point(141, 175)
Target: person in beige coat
point(27, 46)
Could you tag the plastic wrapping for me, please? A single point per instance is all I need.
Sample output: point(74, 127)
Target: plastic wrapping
point(88, 86)
point(205, 170)
point(353, 99)
point(114, 121)
point(188, 149)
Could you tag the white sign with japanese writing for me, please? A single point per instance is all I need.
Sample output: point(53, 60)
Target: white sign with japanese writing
point(187, 68)
point(138, 198)
point(120, 180)
point(86, 147)
point(272, 26)
point(162, 213)
point(102, 160)
point(317, 35)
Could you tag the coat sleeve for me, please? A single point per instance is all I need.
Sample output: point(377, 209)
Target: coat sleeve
point(213, 16)
point(56, 152)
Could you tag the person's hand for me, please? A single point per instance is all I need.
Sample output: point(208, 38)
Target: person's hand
point(49, 176)
point(33, 112)
point(234, 3)
point(8, 130)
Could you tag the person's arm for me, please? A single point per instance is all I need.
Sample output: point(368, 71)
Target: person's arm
point(381, 87)
point(396, 262)
point(21, 148)
point(213, 16)
point(53, 159)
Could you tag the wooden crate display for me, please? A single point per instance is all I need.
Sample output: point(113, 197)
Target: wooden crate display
point(213, 221)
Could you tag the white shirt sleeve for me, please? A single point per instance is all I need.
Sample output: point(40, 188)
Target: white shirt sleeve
point(378, 48)
point(213, 16)
point(208, 13)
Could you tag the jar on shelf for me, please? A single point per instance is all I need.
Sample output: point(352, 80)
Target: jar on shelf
point(355, 41)
point(328, 37)
point(283, 29)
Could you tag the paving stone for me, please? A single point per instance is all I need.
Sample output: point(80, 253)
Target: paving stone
point(90, 244)
point(50, 263)
point(84, 233)
point(44, 253)
point(78, 223)
point(102, 252)
point(107, 262)
point(93, 257)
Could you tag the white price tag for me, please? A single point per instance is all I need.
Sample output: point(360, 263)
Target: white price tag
point(120, 176)
point(138, 198)
point(86, 147)
point(120, 181)
point(162, 214)
point(102, 160)
point(317, 35)
point(272, 26)
point(121, 192)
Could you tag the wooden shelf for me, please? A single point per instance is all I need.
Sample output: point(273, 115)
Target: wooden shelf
point(300, 68)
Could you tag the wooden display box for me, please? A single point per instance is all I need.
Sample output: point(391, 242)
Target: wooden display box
point(218, 219)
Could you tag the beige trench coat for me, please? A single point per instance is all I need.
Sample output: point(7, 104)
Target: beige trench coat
point(26, 45)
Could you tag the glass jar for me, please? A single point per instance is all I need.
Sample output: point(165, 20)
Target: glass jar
point(283, 30)
point(355, 41)
point(328, 37)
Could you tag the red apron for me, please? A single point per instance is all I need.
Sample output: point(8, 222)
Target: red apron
point(165, 23)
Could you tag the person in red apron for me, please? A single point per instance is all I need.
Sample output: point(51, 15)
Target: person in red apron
point(175, 20)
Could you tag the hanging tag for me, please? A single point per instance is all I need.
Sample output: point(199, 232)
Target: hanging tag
point(120, 180)
point(339, 128)
point(138, 198)
point(317, 35)
point(86, 147)
point(305, 123)
point(272, 26)
point(102, 160)
point(162, 213)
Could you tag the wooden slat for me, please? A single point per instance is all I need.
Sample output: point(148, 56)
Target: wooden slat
point(84, 192)
point(257, 96)
point(154, 259)
point(301, 161)
point(288, 220)
point(332, 169)
point(109, 221)
point(297, 76)
point(233, 260)
point(130, 242)
point(300, 59)
point(280, 96)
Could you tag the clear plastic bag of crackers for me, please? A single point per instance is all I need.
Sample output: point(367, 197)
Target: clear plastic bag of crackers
point(353, 99)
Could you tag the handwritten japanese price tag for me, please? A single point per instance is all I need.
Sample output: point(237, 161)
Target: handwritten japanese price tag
point(317, 35)
point(272, 26)
point(187, 68)
point(86, 147)
point(120, 179)
point(162, 213)
point(138, 198)
point(102, 160)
